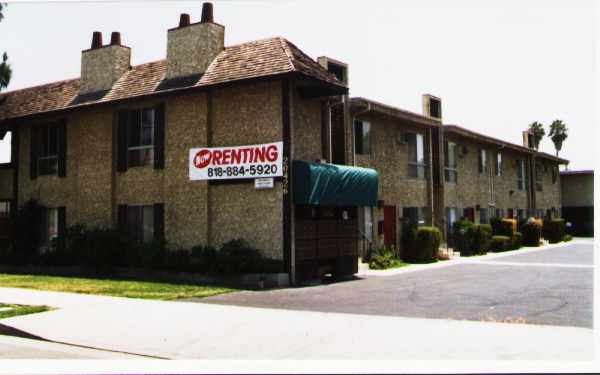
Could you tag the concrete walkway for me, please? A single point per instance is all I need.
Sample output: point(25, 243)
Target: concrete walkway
point(202, 331)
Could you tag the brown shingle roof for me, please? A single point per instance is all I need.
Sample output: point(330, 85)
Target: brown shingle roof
point(262, 58)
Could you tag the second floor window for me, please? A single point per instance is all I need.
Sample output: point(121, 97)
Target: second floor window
point(482, 161)
point(362, 137)
point(450, 167)
point(539, 177)
point(47, 148)
point(416, 155)
point(498, 164)
point(140, 138)
point(521, 175)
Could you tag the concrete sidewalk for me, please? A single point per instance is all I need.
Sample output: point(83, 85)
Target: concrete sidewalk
point(202, 331)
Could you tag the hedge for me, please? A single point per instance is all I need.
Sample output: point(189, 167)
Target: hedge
point(517, 241)
point(462, 236)
point(503, 227)
point(500, 243)
point(101, 250)
point(532, 232)
point(554, 230)
point(423, 248)
point(482, 239)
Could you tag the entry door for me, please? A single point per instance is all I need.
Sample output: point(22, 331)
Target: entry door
point(389, 225)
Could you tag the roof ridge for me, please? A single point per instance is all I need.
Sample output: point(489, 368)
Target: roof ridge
point(285, 47)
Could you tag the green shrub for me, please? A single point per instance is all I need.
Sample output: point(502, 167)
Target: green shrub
point(424, 248)
point(500, 243)
point(516, 241)
point(532, 232)
point(26, 235)
point(204, 258)
point(462, 237)
point(567, 238)
point(482, 238)
point(554, 230)
point(382, 258)
point(236, 256)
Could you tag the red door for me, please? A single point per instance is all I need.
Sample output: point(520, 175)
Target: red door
point(389, 225)
point(469, 213)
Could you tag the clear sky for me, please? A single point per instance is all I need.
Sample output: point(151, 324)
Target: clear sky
point(497, 65)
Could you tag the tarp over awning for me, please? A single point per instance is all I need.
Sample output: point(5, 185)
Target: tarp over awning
point(334, 185)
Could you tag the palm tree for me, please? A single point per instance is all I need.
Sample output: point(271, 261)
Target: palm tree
point(5, 69)
point(558, 134)
point(538, 132)
point(5, 72)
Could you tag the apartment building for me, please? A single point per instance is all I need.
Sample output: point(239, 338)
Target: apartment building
point(433, 174)
point(255, 141)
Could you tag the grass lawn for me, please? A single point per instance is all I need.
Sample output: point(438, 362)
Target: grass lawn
point(8, 311)
point(116, 288)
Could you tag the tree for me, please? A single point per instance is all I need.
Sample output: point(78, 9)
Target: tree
point(538, 132)
point(5, 69)
point(558, 134)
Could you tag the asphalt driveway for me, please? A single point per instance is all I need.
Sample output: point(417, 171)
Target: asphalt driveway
point(552, 286)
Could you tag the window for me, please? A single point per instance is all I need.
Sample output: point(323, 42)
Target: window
point(483, 216)
point(415, 215)
point(49, 226)
point(482, 161)
point(498, 164)
point(362, 137)
point(416, 155)
point(450, 162)
point(451, 217)
point(4, 209)
point(500, 213)
point(554, 174)
point(47, 149)
point(368, 223)
point(140, 223)
point(539, 177)
point(140, 138)
point(521, 213)
point(521, 175)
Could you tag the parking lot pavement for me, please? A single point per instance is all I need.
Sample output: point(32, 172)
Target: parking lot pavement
point(553, 286)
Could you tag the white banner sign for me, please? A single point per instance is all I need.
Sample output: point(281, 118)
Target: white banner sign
point(223, 163)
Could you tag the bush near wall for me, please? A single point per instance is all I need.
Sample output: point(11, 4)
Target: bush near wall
point(517, 241)
point(101, 250)
point(503, 227)
point(462, 236)
point(554, 230)
point(532, 233)
point(424, 247)
point(482, 238)
point(500, 243)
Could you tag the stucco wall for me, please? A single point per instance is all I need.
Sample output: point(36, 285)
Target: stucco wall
point(86, 189)
point(549, 197)
point(245, 115)
point(307, 129)
point(577, 190)
point(473, 188)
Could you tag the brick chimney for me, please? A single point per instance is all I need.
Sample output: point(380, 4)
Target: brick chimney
point(103, 65)
point(432, 106)
point(192, 47)
point(528, 139)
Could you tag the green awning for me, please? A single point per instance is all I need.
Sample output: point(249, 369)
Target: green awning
point(334, 185)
